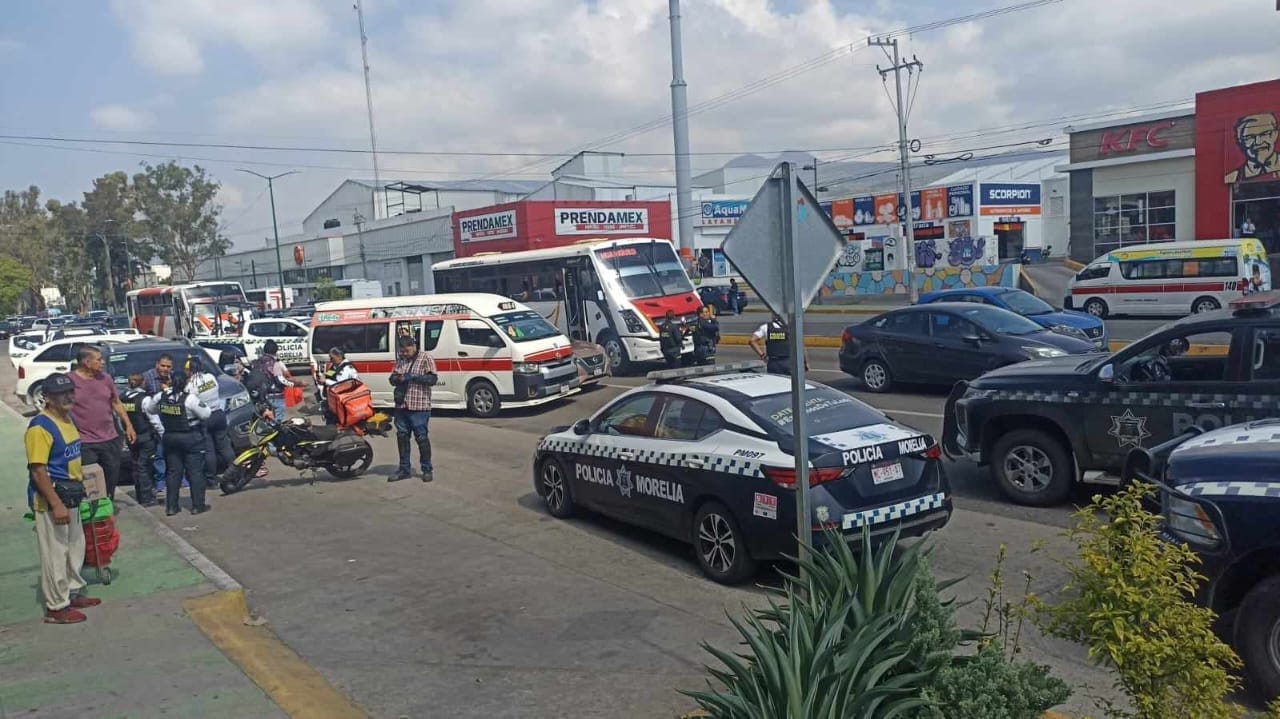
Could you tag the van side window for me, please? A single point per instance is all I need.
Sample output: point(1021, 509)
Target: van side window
point(477, 334)
point(433, 329)
point(1095, 272)
point(362, 338)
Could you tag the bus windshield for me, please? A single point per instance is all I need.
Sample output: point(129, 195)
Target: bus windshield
point(645, 270)
point(208, 292)
point(525, 326)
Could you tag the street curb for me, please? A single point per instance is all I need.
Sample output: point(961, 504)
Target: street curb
point(193, 556)
point(294, 685)
point(742, 340)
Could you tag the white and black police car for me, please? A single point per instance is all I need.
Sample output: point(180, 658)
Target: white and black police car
point(704, 455)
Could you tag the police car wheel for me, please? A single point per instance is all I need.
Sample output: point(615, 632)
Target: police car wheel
point(553, 485)
point(1257, 637)
point(876, 376)
point(1204, 304)
point(1032, 468)
point(1096, 307)
point(482, 399)
point(719, 545)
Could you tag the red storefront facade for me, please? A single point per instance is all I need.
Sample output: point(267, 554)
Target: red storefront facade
point(1238, 163)
point(537, 224)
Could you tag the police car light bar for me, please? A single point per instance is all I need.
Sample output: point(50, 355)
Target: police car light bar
point(1254, 303)
point(672, 375)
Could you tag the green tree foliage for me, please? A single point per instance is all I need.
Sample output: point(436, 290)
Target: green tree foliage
point(27, 237)
point(110, 210)
point(15, 281)
point(327, 290)
point(177, 208)
point(1130, 601)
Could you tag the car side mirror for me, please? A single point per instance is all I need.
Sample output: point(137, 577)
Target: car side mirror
point(496, 341)
point(582, 426)
point(600, 295)
point(1107, 373)
point(975, 340)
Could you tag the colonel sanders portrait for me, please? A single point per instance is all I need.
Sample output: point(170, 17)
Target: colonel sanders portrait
point(1256, 137)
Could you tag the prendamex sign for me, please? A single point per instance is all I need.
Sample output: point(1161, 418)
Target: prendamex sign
point(601, 220)
point(493, 226)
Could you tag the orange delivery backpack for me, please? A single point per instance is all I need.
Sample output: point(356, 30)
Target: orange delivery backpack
point(351, 402)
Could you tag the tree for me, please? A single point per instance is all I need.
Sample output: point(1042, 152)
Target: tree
point(110, 209)
point(177, 209)
point(15, 281)
point(327, 289)
point(78, 271)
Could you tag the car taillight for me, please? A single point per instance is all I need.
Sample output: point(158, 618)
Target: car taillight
point(934, 452)
point(785, 477)
point(22, 372)
point(845, 337)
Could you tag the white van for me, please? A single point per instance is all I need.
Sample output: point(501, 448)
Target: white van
point(1170, 278)
point(490, 352)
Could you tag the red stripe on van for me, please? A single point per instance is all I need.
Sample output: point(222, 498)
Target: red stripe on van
point(1139, 289)
point(551, 354)
point(443, 364)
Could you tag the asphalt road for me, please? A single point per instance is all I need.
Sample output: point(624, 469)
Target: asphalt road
point(463, 598)
point(831, 324)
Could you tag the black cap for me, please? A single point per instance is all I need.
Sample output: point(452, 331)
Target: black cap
point(58, 383)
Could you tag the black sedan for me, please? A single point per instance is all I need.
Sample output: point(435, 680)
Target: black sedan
point(720, 297)
point(943, 342)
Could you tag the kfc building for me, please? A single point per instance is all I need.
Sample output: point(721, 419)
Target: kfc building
point(1208, 174)
point(536, 224)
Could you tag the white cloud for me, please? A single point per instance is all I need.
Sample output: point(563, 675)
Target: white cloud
point(172, 37)
point(117, 116)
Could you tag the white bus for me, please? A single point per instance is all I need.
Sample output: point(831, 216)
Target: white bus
point(1170, 278)
point(490, 352)
point(612, 292)
point(194, 310)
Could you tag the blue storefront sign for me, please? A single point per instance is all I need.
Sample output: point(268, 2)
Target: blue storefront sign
point(1015, 194)
point(959, 200)
point(722, 212)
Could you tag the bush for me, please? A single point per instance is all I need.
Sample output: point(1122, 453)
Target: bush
point(1130, 601)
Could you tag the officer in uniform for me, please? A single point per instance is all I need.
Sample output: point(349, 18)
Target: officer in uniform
point(143, 449)
point(770, 343)
point(182, 414)
point(670, 340)
point(706, 335)
point(217, 446)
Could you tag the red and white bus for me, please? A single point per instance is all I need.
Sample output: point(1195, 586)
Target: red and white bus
point(612, 292)
point(199, 309)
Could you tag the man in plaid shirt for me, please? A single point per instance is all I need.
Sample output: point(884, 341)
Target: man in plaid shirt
point(412, 378)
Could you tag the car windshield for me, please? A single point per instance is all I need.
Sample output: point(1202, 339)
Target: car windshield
point(1003, 322)
point(826, 411)
point(645, 269)
point(1025, 303)
point(123, 361)
point(525, 326)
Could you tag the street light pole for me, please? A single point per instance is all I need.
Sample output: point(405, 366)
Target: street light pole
point(364, 262)
point(111, 285)
point(274, 227)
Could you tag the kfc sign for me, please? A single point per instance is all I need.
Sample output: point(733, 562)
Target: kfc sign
point(1130, 138)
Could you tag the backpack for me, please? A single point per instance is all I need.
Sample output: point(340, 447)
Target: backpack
point(260, 381)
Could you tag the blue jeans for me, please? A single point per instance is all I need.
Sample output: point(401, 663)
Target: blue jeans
point(414, 423)
point(277, 407)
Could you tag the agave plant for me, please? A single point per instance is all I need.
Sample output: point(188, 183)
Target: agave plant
point(834, 642)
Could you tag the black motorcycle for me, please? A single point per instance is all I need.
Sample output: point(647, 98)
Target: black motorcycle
point(342, 451)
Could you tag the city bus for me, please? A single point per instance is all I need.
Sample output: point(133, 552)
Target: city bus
point(1170, 278)
point(491, 353)
point(611, 292)
point(194, 310)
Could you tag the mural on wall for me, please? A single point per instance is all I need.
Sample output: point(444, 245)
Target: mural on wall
point(926, 253)
point(847, 284)
point(852, 256)
point(965, 250)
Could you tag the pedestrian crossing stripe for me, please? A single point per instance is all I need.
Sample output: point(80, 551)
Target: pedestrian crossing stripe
point(722, 464)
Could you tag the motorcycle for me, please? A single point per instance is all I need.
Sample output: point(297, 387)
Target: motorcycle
point(342, 451)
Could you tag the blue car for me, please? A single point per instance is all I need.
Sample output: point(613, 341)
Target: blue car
point(1080, 325)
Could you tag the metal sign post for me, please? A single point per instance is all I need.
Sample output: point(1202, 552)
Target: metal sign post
point(795, 304)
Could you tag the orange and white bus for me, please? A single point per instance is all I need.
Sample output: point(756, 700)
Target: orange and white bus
point(198, 309)
point(1170, 278)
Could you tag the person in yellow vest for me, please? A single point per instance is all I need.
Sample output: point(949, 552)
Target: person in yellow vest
point(54, 492)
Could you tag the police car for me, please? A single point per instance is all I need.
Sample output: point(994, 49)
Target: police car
point(704, 455)
point(1222, 499)
point(1045, 424)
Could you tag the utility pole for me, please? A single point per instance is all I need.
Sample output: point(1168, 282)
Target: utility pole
point(680, 126)
point(253, 268)
point(897, 68)
point(274, 227)
point(364, 263)
point(111, 285)
point(368, 100)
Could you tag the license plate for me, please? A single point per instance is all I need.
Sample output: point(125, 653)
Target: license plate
point(597, 372)
point(564, 389)
point(886, 473)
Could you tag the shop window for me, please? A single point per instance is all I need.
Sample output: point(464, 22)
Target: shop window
point(1256, 212)
point(1132, 219)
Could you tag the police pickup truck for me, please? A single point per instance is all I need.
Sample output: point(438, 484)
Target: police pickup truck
point(1220, 495)
point(1043, 425)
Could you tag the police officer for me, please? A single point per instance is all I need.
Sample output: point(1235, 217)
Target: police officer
point(217, 446)
point(670, 339)
point(706, 335)
point(338, 370)
point(182, 415)
point(770, 342)
point(143, 449)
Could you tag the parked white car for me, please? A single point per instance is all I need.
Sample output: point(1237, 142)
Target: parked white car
point(55, 356)
point(23, 344)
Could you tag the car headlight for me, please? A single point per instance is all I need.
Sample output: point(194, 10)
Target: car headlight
point(632, 321)
point(1070, 331)
point(237, 401)
point(973, 393)
point(527, 367)
point(1189, 522)
point(1043, 352)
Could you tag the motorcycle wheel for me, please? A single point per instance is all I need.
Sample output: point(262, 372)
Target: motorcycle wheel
point(354, 468)
point(239, 477)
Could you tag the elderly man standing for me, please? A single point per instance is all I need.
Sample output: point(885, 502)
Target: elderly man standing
point(96, 402)
point(54, 492)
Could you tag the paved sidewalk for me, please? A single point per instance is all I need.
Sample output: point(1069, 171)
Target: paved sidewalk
point(138, 656)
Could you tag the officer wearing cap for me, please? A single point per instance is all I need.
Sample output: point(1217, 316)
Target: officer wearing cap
point(54, 492)
point(182, 414)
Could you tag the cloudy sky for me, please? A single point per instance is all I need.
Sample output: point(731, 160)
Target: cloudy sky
point(548, 76)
